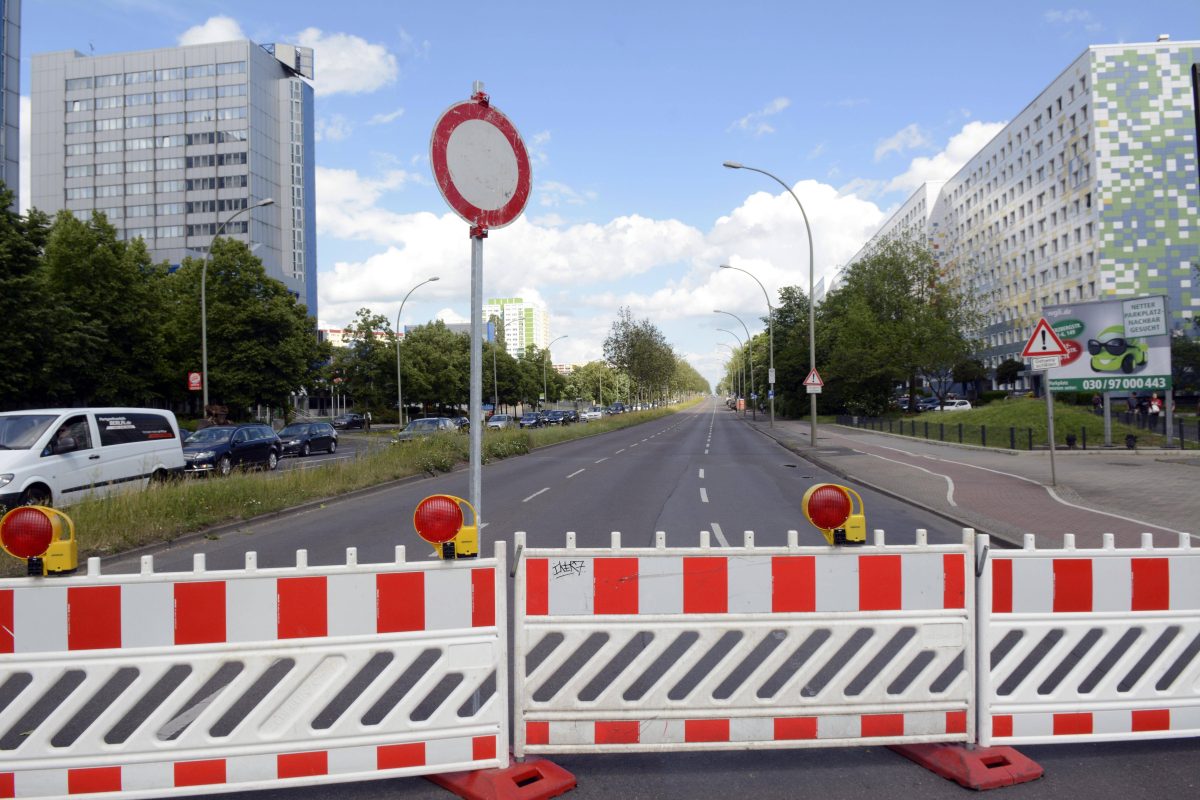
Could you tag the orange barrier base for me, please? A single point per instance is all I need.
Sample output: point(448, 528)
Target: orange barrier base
point(532, 779)
point(975, 768)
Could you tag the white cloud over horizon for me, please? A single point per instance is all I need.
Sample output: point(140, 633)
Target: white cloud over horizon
point(349, 64)
point(958, 151)
point(756, 121)
point(212, 30)
point(909, 137)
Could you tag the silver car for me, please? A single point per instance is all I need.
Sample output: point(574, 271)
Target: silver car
point(499, 422)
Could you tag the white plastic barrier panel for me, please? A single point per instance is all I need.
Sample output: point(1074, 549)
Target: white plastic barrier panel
point(204, 682)
point(652, 649)
point(1089, 645)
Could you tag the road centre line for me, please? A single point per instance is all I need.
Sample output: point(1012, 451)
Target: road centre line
point(597, 461)
point(703, 495)
point(573, 474)
point(622, 450)
point(635, 444)
point(716, 529)
point(702, 473)
point(535, 494)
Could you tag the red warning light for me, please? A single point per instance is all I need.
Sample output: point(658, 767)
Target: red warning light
point(828, 507)
point(26, 532)
point(438, 519)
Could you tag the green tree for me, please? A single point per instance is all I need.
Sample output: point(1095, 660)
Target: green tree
point(367, 365)
point(436, 366)
point(28, 321)
point(1185, 363)
point(1007, 372)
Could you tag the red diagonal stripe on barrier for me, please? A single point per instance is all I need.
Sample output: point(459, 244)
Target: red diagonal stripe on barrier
point(706, 730)
point(400, 756)
point(200, 773)
point(200, 613)
point(1072, 584)
point(879, 584)
point(793, 584)
point(483, 598)
point(795, 728)
point(400, 602)
point(93, 618)
point(1151, 719)
point(1151, 584)
point(618, 732)
point(1002, 586)
point(882, 725)
point(1072, 724)
point(537, 587)
point(93, 779)
point(302, 765)
point(303, 607)
point(8, 639)
point(953, 589)
point(616, 586)
point(705, 585)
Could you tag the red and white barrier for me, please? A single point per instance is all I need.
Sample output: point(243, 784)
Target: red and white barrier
point(699, 648)
point(1089, 645)
point(154, 684)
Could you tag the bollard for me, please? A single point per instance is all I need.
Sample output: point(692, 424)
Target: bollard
point(1030, 432)
point(1083, 431)
point(941, 431)
point(983, 435)
point(960, 433)
point(1012, 438)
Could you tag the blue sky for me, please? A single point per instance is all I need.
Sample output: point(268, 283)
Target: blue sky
point(628, 110)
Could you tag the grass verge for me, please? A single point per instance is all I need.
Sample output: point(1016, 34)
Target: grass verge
point(165, 512)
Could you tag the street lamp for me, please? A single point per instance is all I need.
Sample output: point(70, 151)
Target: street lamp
point(545, 391)
point(771, 329)
point(743, 351)
point(399, 386)
point(750, 355)
point(204, 300)
point(812, 323)
point(739, 363)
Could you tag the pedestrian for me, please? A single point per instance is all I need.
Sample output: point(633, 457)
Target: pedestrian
point(1097, 402)
point(1154, 407)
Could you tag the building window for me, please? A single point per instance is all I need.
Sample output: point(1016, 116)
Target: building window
point(144, 99)
point(169, 141)
point(201, 71)
point(140, 166)
point(79, 105)
point(203, 115)
point(231, 68)
point(113, 101)
point(169, 231)
point(170, 186)
point(111, 146)
point(173, 118)
point(81, 193)
point(83, 126)
point(139, 144)
point(170, 163)
point(171, 74)
point(110, 168)
point(108, 80)
point(208, 160)
point(142, 121)
point(202, 93)
point(81, 149)
point(139, 188)
point(232, 113)
point(139, 211)
point(232, 90)
point(173, 96)
point(114, 124)
point(231, 182)
point(113, 212)
point(144, 76)
point(166, 209)
point(116, 190)
point(80, 171)
point(78, 83)
point(139, 233)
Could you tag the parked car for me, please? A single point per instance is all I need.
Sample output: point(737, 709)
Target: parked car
point(221, 448)
point(571, 416)
point(462, 423)
point(928, 404)
point(531, 419)
point(348, 421)
point(558, 418)
point(57, 456)
point(427, 426)
point(954, 405)
point(301, 438)
point(499, 422)
point(592, 414)
point(617, 408)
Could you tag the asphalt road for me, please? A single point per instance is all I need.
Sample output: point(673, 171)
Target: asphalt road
point(699, 470)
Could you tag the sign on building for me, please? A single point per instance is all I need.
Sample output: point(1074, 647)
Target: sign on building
point(1121, 345)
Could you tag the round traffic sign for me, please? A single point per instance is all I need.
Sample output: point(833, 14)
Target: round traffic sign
point(480, 164)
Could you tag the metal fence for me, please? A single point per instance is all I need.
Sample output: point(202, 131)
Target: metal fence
point(938, 429)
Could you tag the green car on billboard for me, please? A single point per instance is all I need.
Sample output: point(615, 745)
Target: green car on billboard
point(1111, 351)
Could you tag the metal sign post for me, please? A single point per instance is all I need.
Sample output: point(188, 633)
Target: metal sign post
point(482, 169)
point(1046, 352)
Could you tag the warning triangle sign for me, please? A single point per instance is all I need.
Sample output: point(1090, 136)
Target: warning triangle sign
point(1044, 342)
point(813, 379)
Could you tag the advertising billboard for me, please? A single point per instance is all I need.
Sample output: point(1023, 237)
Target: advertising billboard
point(1119, 345)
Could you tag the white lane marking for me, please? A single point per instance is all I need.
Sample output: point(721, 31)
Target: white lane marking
point(622, 450)
point(483, 525)
point(702, 473)
point(635, 444)
point(597, 461)
point(706, 451)
point(720, 536)
point(573, 474)
point(535, 494)
point(703, 495)
point(949, 488)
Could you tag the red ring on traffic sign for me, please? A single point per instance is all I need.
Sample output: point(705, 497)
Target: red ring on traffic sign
point(453, 117)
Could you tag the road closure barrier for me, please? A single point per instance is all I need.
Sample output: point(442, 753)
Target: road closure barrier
point(672, 649)
point(154, 684)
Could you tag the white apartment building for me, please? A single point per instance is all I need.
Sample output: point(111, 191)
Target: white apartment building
point(172, 144)
point(523, 324)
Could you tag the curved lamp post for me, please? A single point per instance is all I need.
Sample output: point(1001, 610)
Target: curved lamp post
point(771, 337)
point(733, 354)
point(742, 348)
point(750, 357)
point(399, 387)
point(812, 324)
point(203, 298)
point(546, 352)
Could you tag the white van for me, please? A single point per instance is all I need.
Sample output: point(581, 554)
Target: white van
point(57, 456)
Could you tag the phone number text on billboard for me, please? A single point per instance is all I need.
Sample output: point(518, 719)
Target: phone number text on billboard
point(1109, 384)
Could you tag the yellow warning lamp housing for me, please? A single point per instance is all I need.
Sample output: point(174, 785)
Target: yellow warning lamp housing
point(830, 508)
point(439, 520)
point(42, 537)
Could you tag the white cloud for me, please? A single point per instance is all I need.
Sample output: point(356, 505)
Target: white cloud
point(24, 178)
point(384, 119)
point(536, 147)
point(334, 128)
point(909, 137)
point(214, 29)
point(348, 63)
point(1073, 17)
point(961, 147)
point(755, 122)
point(551, 194)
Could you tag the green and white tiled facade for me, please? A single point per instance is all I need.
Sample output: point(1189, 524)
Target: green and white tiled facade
point(1089, 193)
point(522, 323)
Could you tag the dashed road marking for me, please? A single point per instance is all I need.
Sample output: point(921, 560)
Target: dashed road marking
point(701, 473)
point(703, 495)
point(535, 494)
point(576, 472)
point(622, 450)
point(720, 536)
point(598, 460)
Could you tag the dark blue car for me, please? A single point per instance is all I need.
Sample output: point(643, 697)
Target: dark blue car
point(220, 448)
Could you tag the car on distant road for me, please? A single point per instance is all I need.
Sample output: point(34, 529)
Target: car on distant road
point(348, 421)
point(617, 408)
point(499, 422)
point(222, 448)
point(302, 438)
point(462, 423)
point(531, 419)
point(426, 426)
point(928, 404)
point(592, 414)
point(558, 418)
point(954, 405)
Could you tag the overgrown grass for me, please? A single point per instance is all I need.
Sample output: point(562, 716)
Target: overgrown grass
point(165, 512)
point(1014, 421)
